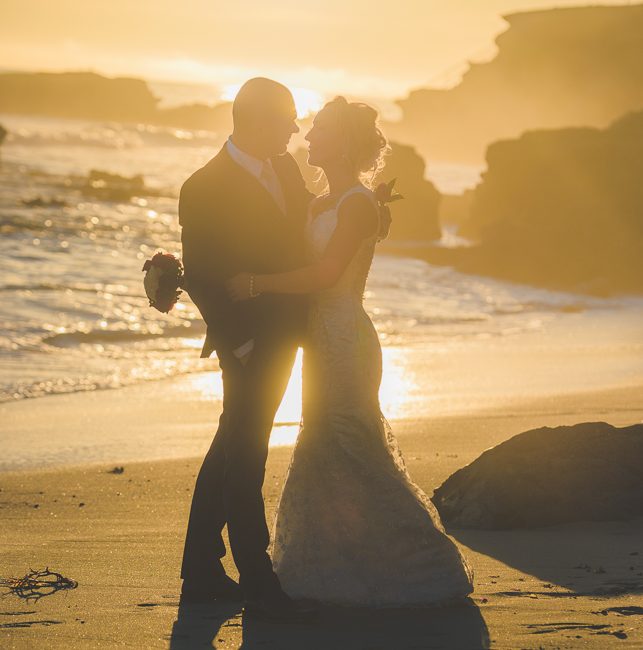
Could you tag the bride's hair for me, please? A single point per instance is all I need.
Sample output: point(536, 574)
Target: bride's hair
point(364, 143)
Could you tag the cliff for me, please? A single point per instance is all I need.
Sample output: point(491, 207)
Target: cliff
point(562, 208)
point(76, 95)
point(86, 95)
point(554, 68)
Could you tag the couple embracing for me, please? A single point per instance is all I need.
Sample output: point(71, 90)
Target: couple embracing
point(272, 267)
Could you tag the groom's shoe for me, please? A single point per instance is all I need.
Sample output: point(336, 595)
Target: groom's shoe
point(280, 608)
point(225, 588)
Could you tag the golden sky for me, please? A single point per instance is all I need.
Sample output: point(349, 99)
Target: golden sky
point(363, 48)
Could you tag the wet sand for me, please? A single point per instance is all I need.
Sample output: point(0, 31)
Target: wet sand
point(120, 536)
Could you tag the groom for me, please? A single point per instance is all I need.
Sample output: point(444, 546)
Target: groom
point(244, 210)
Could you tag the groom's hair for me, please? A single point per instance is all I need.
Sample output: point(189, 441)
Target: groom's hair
point(259, 97)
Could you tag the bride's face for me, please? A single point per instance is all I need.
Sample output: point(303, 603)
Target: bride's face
point(325, 142)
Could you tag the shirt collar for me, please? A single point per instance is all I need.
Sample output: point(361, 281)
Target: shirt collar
point(248, 162)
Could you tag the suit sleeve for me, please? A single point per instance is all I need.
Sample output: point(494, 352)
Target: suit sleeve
point(207, 264)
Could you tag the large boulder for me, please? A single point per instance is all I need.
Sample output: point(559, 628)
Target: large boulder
point(589, 471)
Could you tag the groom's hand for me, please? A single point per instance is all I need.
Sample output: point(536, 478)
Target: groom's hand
point(244, 351)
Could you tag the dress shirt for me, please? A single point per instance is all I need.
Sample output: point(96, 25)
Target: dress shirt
point(262, 170)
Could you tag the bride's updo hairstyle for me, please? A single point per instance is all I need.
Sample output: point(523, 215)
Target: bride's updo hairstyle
point(364, 144)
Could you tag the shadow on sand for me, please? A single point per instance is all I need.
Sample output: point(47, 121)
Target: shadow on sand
point(588, 558)
point(455, 626)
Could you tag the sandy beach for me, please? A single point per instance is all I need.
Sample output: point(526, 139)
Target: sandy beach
point(506, 295)
point(120, 535)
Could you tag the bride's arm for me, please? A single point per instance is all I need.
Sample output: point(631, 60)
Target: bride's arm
point(356, 219)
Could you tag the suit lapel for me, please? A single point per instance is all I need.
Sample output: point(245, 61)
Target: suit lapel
point(251, 197)
point(251, 186)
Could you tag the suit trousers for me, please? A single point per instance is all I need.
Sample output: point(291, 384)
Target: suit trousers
point(228, 488)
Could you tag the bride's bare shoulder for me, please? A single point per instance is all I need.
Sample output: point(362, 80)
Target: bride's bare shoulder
point(360, 210)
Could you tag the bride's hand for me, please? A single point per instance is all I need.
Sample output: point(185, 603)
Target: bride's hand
point(240, 287)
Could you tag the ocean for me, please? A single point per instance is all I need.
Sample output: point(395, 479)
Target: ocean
point(75, 317)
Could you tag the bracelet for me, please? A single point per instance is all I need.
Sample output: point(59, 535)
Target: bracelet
point(251, 289)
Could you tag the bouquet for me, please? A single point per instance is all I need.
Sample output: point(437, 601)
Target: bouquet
point(162, 281)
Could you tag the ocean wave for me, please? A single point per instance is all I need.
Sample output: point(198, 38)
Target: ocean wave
point(541, 306)
point(189, 329)
point(30, 390)
point(108, 136)
point(114, 289)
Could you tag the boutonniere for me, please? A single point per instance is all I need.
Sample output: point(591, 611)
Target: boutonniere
point(384, 192)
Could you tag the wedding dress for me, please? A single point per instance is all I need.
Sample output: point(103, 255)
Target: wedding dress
point(352, 528)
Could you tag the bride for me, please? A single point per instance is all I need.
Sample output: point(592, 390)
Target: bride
point(352, 528)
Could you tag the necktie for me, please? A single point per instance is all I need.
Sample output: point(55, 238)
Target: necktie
point(269, 180)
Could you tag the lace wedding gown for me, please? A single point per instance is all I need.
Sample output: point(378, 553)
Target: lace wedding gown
point(352, 528)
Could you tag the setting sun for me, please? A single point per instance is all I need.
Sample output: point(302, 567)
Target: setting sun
point(307, 101)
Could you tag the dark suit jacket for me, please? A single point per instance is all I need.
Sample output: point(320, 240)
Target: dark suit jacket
point(230, 223)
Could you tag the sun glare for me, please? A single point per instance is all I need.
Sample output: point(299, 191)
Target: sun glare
point(307, 101)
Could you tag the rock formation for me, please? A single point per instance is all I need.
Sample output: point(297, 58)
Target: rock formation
point(416, 218)
point(563, 209)
point(86, 95)
point(76, 95)
point(590, 471)
point(554, 68)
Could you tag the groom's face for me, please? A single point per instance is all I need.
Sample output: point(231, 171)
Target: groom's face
point(280, 122)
